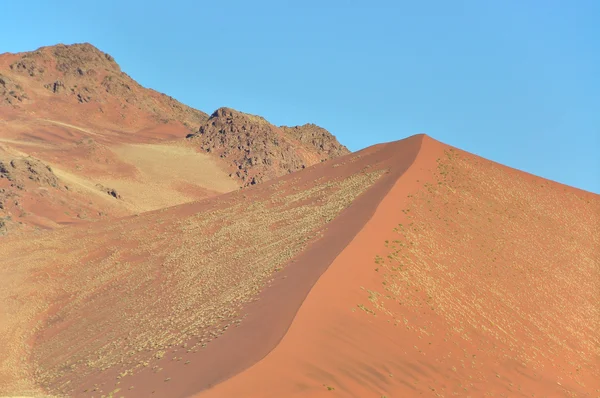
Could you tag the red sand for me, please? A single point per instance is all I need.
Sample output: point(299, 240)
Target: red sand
point(496, 293)
point(334, 349)
point(268, 318)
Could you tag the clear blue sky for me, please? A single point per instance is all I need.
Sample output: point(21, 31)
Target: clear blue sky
point(515, 81)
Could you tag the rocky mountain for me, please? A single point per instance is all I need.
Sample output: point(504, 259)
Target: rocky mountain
point(82, 74)
point(318, 138)
point(80, 140)
point(256, 150)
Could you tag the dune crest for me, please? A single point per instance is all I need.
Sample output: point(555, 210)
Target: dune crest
point(470, 278)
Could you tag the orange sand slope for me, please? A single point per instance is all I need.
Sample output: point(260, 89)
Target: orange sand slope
point(470, 279)
point(96, 306)
point(407, 268)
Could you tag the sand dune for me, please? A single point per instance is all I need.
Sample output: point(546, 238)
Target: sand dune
point(470, 279)
point(93, 304)
point(407, 268)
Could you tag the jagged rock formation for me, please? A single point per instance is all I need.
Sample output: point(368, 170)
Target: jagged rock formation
point(20, 169)
point(257, 150)
point(319, 138)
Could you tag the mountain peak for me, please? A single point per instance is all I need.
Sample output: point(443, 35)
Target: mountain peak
point(73, 60)
point(84, 54)
point(257, 150)
point(230, 113)
point(86, 82)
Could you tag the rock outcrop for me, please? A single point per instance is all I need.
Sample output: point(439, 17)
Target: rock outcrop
point(21, 169)
point(11, 93)
point(256, 150)
point(318, 138)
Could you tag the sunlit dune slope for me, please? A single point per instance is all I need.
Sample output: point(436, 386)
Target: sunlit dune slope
point(470, 279)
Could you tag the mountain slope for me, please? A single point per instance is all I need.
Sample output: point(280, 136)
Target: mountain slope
point(73, 111)
point(114, 147)
point(257, 150)
point(54, 79)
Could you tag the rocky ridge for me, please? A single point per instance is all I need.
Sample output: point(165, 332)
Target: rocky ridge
point(81, 73)
point(257, 150)
point(72, 107)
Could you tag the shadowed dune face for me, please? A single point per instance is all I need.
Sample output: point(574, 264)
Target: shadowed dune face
point(115, 297)
point(470, 279)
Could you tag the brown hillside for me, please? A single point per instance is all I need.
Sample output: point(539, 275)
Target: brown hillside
point(317, 137)
point(71, 109)
point(115, 148)
point(257, 150)
point(82, 74)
